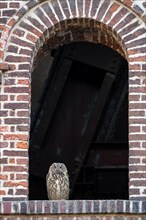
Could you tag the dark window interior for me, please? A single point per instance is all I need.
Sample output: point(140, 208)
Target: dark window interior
point(80, 117)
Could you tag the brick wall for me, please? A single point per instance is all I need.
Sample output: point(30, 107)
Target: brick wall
point(34, 27)
point(7, 10)
point(75, 210)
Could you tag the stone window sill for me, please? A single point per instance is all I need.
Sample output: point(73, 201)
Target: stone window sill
point(73, 207)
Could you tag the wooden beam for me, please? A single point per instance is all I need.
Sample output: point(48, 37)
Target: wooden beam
point(92, 124)
point(49, 103)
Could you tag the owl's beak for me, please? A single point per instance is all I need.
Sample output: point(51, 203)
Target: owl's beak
point(58, 170)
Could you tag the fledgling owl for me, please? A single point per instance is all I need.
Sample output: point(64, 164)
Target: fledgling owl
point(57, 182)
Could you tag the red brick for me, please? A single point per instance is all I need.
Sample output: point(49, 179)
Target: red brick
point(4, 66)
point(49, 12)
point(9, 12)
point(44, 19)
point(14, 169)
point(15, 184)
point(137, 113)
point(16, 89)
point(143, 97)
point(3, 177)
point(95, 5)
point(15, 153)
point(23, 113)
point(16, 121)
point(32, 38)
point(14, 5)
point(144, 160)
point(23, 97)
point(137, 137)
point(12, 48)
point(136, 43)
point(11, 22)
point(25, 52)
point(12, 161)
point(134, 97)
point(137, 153)
point(24, 66)
point(4, 128)
point(21, 176)
point(17, 59)
point(137, 168)
point(118, 17)
point(19, 32)
point(137, 59)
point(66, 9)
point(23, 137)
point(21, 192)
point(137, 105)
point(22, 145)
point(2, 192)
point(9, 82)
point(3, 5)
point(10, 192)
point(111, 10)
point(20, 42)
point(134, 129)
point(15, 106)
point(22, 128)
point(22, 161)
point(30, 28)
point(137, 121)
point(134, 161)
point(137, 182)
point(3, 113)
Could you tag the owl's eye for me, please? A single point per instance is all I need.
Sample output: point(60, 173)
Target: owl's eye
point(53, 168)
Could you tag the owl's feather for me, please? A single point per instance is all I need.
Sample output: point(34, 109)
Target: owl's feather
point(57, 182)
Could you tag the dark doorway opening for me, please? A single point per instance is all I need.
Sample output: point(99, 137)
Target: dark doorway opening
point(80, 117)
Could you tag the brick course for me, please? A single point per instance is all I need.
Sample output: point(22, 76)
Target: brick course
point(120, 25)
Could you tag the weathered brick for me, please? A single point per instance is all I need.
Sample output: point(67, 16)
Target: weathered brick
point(16, 121)
point(22, 113)
point(49, 12)
point(14, 5)
point(15, 184)
point(19, 32)
point(31, 38)
point(21, 192)
point(15, 153)
point(3, 113)
point(23, 137)
point(17, 59)
point(4, 66)
point(20, 42)
point(14, 169)
point(3, 177)
point(9, 12)
point(13, 49)
point(15, 106)
point(44, 19)
point(16, 89)
point(3, 5)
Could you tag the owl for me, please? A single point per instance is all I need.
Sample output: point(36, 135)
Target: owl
point(57, 182)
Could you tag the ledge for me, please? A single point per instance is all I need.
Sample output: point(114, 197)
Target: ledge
point(73, 207)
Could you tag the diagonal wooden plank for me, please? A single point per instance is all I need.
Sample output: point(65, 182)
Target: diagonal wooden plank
point(92, 124)
point(50, 101)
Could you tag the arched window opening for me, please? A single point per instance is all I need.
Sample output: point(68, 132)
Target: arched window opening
point(80, 117)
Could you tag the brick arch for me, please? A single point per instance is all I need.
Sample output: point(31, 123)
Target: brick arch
point(104, 16)
point(57, 22)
